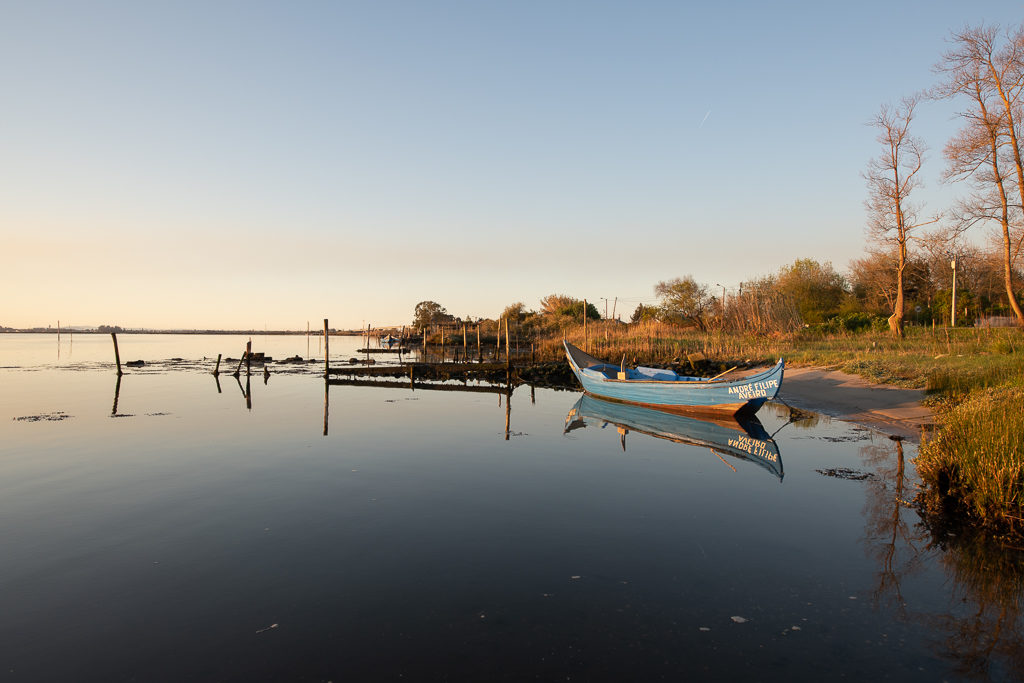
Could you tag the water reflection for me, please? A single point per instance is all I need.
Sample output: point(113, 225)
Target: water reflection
point(117, 395)
point(746, 440)
point(503, 391)
point(981, 625)
point(986, 640)
point(891, 541)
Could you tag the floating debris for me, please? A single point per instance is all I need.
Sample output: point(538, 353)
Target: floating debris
point(845, 473)
point(262, 630)
point(739, 620)
point(56, 416)
point(704, 628)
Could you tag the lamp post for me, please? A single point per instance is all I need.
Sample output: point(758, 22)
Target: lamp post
point(723, 296)
point(952, 310)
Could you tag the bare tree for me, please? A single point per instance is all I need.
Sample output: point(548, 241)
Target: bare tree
point(891, 177)
point(987, 150)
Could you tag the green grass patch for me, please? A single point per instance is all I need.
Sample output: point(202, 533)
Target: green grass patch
point(974, 462)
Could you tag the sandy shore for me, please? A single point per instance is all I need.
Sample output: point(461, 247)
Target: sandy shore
point(847, 397)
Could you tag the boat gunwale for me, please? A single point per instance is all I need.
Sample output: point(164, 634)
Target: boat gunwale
point(700, 382)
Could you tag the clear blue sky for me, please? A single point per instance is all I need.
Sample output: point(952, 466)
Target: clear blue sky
point(241, 164)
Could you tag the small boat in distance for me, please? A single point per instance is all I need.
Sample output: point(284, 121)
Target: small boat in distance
point(666, 390)
point(745, 439)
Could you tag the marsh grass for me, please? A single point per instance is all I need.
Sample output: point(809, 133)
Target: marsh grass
point(976, 460)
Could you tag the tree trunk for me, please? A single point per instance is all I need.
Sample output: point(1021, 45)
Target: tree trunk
point(1011, 130)
point(896, 319)
point(1008, 276)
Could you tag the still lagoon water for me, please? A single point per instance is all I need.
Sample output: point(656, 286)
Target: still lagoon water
point(172, 526)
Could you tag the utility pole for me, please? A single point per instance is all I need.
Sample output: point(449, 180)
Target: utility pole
point(952, 307)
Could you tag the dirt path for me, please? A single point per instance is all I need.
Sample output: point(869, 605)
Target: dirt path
point(889, 409)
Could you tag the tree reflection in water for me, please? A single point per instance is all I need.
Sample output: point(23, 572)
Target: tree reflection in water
point(982, 633)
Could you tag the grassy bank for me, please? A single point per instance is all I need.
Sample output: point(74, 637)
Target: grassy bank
point(972, 465)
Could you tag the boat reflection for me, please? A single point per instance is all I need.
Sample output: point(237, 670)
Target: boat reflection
point(744, 439)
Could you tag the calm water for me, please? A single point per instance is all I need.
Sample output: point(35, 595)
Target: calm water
point(193, 530)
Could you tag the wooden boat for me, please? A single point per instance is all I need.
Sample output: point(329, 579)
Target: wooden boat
point(666, 390)
point(745, 439)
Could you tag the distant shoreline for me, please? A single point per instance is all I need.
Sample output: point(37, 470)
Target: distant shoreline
point(312, 333)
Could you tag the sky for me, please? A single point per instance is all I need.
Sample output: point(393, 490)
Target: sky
point(261, 165)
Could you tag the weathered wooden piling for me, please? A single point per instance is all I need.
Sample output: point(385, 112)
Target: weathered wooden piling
point(464, 346)
point(117, 354)
point(508, 356)
point(479, 351)
point(248, 358)
point(238, 368)
point(327, 362)
point(216, 370)
point(497, 342)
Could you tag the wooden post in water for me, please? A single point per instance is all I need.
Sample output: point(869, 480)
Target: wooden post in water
point(327, 369)
point(442, 343)
point(508, 356)
point(216, 370)
point(248, 358)
point(464, 347)
point(117, 355)
point(238, 370)
point(479, 351)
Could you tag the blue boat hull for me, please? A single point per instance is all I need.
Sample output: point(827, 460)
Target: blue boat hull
point(667, 391)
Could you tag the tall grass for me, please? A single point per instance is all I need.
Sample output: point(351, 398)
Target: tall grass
point(976, 459)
